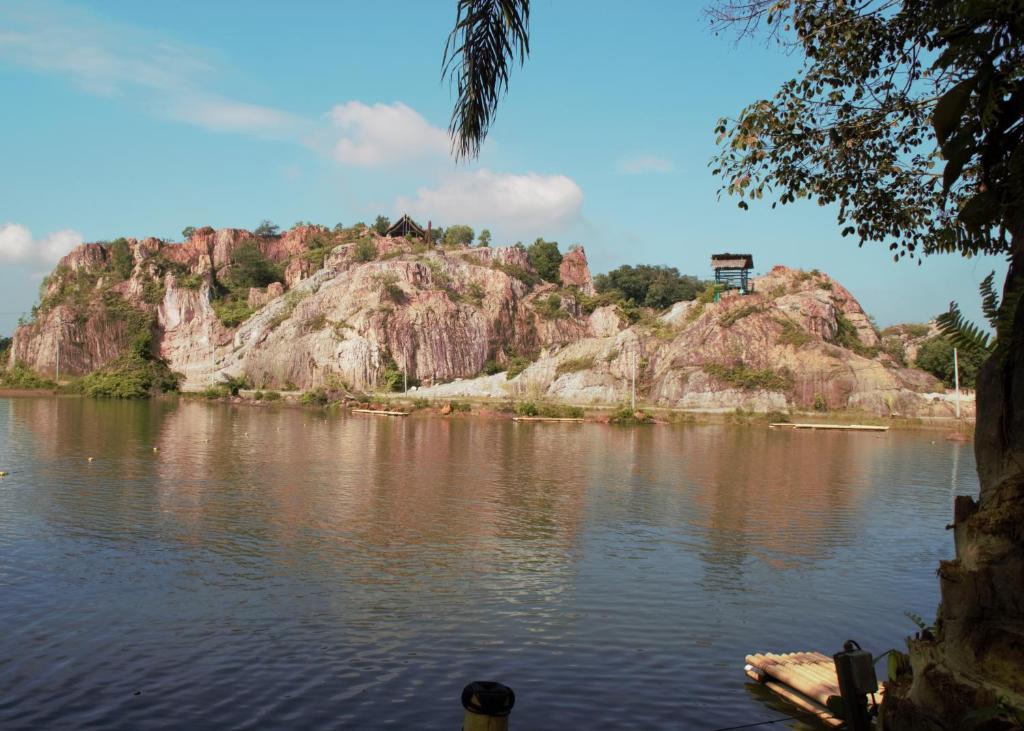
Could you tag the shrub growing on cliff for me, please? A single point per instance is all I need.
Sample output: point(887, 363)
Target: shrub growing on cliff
point(232, 312)
point(484, 239)
point(364, 250)
point(749, 379)
point(550, 308)
point(382, 224)
point(526, 277)
point(251, 268)
point(573, 365)
point(121, 260)
point(516, 365)
point(545, 258)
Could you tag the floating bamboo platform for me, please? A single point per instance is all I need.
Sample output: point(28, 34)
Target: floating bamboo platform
point(380, 413)
point(545, 418)
point(842, 427)
point(807, 680)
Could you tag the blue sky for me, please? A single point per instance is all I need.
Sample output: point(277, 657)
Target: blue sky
point(138, 119)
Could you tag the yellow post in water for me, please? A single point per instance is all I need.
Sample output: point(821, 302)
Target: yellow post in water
point(487, 706)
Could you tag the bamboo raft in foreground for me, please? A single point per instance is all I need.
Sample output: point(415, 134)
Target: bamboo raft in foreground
point(380, 413)
point(805, 679)
point(545, 418)
point(845, 427)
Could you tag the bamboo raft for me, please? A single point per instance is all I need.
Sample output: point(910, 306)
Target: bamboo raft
point(546, 418)
point(807, 680)
point(380, 413)
point(843, 427)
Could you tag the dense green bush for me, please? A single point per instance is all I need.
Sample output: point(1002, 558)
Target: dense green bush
point(545, 258)
point(935, 355)
point(516, 365)
point(648, 285)
point(523, 275)
point(626, 416)
point(549, 411)
point(458, 235)
point(316, 397)
point(121, 260)
point(18, 376)
point(231, 311)
point(364, 250)
point(131, 376)
point(550, 307)
point(382, 224)
point(484, 239)
point(251, 268)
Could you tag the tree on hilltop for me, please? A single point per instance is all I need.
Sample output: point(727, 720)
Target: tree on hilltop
point(266, 229)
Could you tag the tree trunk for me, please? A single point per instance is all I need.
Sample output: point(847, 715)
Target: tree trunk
point(974, 661)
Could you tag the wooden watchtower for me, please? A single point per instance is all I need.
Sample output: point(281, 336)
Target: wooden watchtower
point(733, 271)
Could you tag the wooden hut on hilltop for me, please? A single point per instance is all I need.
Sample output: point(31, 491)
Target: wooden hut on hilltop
point(733, 270)
point(405, 227)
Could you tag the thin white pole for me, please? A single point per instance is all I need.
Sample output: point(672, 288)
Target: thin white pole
point(956, 380)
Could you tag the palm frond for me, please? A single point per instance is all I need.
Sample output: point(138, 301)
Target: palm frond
point(488, 37)
point(989, 300)
point(961, 333)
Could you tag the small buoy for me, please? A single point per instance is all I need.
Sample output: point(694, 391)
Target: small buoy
point(4, 473)
point(89, 459)
point(156, 449)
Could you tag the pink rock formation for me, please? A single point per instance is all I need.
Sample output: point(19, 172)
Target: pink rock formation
point(574, 271)
point(440, 314)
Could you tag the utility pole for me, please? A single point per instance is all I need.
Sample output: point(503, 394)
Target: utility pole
point(956, 380)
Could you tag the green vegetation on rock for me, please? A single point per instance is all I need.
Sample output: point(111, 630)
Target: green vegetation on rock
point(935, 355)
point(545, 258)
point(750, 379)
point(648, 286)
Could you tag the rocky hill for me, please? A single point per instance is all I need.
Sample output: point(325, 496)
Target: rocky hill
point(359, 309)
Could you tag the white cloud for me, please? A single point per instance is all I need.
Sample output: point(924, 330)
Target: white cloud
point(517, 203)
point(18, 246)
point(637, 164)
point(107, 59)
point(384, 134)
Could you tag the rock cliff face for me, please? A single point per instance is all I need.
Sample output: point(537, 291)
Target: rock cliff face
point(355, 307)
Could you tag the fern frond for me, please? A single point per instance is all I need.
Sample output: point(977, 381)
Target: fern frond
point(989, 299)
point(961, 333)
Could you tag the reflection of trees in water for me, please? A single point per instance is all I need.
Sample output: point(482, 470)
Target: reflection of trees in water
point(430, 504)
point(426, 505)
point(113, 490)
point(786, 498)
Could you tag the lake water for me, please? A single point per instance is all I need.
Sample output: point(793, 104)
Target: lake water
point(282, 568)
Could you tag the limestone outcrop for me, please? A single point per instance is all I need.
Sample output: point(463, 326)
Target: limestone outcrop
point(356, 308)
